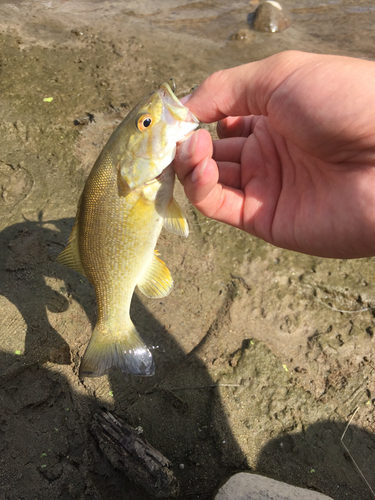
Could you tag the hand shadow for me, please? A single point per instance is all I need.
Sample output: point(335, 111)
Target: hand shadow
point(27, 252)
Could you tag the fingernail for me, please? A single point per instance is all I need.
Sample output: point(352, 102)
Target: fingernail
point(185, 99)
point(187, 147)
point(198, 172)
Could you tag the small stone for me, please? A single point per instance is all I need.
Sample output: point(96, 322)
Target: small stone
point(269, 17)
point(244, 34)
point(247, 486)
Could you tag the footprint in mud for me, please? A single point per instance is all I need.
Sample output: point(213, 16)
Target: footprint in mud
point(15, 183)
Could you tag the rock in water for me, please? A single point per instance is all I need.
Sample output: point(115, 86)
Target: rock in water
point(269, 17)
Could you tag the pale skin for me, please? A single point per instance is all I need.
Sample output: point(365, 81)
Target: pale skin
point(295, 162)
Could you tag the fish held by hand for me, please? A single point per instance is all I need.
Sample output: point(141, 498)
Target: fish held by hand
point(127, 199)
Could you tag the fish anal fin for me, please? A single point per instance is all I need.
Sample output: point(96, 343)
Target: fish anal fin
point(70, 255)
point(175, 220)
point(109, 349)
point(157, 280)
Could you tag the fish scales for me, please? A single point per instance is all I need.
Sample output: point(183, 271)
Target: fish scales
point(126, 200)
point(109, 262)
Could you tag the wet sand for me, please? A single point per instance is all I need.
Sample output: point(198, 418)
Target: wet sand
point(262, 354)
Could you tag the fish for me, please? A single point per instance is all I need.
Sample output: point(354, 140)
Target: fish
point(126, 200)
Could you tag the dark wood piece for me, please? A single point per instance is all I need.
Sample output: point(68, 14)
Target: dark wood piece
point(129, 451)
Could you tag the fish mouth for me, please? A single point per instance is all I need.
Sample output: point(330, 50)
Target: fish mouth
point(165, 89)
point(176, 109)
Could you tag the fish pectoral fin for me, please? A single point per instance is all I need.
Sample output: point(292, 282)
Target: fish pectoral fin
point(124, 349)
point(175, 220)
point(122, 185)
point(157, 280)
point(70, 255)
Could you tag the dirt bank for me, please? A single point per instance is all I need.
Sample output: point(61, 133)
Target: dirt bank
point(258, 365)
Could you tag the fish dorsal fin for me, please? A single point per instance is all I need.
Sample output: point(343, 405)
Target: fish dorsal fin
point(157, 281)
point(70, 255)
point(175, 220)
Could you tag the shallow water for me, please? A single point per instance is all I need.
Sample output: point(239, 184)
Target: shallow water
point(335, 26)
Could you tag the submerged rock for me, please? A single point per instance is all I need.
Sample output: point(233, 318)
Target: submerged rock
point(269, 16)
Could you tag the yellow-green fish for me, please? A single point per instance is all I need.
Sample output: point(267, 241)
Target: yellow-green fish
point(127, 199)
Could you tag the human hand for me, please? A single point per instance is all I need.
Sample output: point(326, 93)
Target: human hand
point(295, 163)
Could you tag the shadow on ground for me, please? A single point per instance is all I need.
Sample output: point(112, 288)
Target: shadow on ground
point(47, 450)
point(317, 459)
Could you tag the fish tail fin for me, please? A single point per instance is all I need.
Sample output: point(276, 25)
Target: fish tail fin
point(124, 349)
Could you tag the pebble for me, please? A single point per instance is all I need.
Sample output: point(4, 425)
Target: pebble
point(269, 17)
point(247, 486)
point(244, 35)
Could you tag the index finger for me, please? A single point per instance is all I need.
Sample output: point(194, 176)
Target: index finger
point(243, 90)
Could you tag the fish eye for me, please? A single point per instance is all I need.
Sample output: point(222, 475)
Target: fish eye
point(144, 122)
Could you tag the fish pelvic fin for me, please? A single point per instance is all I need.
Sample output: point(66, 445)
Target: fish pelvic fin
point(125, 350)
point(175, 220)
point(157, 280)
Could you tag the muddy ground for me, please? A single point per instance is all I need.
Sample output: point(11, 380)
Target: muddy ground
point(262, 354)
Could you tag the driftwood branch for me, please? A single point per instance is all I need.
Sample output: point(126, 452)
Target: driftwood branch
point(129, 451)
